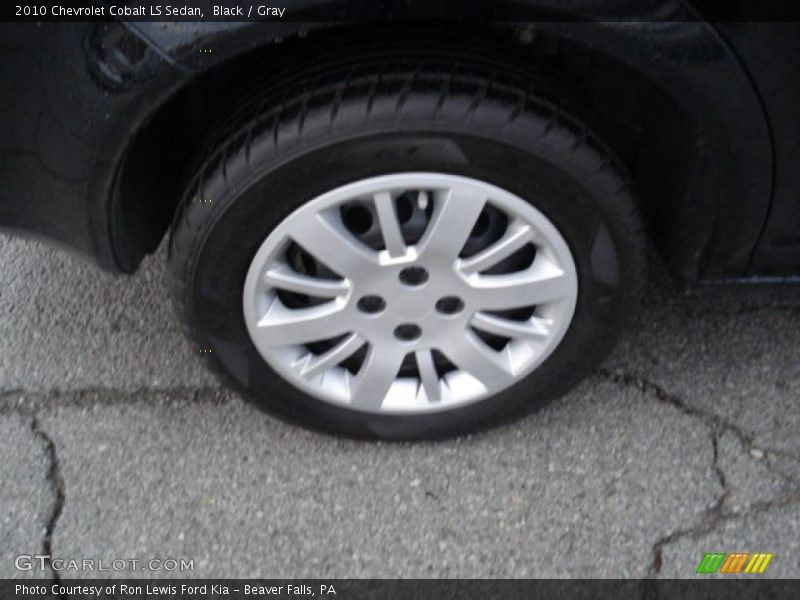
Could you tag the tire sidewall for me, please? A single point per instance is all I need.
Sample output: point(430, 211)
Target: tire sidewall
point(256, 197)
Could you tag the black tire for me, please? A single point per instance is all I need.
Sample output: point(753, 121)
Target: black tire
point(322, 130)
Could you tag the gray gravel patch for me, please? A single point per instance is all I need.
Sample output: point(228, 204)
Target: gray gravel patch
point(244, 495)
point(67, 325)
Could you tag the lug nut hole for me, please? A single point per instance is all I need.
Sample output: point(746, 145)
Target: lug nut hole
point(407, 332)
point(450, 305)
point(371, 304)
point(413, 275)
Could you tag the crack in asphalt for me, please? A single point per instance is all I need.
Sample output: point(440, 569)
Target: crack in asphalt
point(31, 404)
point(56, 481)
point(717, 426)
point(713, 518)
point(716, 423)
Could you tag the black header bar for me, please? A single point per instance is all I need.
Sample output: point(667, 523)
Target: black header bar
point(369, 10)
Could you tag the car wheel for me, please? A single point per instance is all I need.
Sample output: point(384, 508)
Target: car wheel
point(406, 250)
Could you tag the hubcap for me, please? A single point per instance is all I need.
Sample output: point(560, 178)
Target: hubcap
point(410, 293)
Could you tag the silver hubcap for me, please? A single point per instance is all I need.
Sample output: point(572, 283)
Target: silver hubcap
point(410, 293)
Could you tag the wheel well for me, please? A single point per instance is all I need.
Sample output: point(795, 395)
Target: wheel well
point(644, 126)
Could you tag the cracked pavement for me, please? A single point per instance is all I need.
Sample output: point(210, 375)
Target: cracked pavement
point(116, 443)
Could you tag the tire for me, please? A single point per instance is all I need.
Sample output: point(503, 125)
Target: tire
point(468, 121)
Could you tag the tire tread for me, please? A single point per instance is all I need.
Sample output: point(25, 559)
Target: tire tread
point(290, 106)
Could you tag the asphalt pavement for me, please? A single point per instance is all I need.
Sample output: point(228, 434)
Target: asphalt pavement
point(117, 444)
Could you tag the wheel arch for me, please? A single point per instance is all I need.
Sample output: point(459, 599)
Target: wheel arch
point(655, 92)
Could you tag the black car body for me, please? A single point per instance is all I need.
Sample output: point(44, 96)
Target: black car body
point(101, 121)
